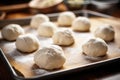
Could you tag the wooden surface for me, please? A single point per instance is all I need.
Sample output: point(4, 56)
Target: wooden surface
point(106, 72)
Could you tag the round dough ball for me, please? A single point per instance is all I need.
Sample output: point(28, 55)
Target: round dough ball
point(38, 19)
point(63, 37)
point(27, 43)
point(95, 47)
point(81, 24)
point(105, 32)
point(51, 57)
point(66, 18)
point(11, 32)
point(47, 29)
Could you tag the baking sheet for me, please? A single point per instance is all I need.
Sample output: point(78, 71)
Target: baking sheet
point(24, 63)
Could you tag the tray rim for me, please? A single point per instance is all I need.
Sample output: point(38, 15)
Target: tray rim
point(61, 72)
point(23, 21)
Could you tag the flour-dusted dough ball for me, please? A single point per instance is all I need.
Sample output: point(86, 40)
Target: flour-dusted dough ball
point(27, 43)
point(11, 32)
point(47, 29)
point(51, 57)
point(63, 37)
point(81, 24)
point(66, 18)
point(95, 47)
point(38, 19)
point(105, 32)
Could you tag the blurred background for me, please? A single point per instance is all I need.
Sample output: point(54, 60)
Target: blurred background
point(13, 9)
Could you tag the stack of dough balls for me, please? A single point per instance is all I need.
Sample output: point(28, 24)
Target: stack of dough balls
point(95, 47)
point(51, 57)
point(105, 32)
point(81, 24)
point(27, 43)
point(63, 37)
point(66, 18)
point(46, 29)
point(38, 19)
point(11, 32)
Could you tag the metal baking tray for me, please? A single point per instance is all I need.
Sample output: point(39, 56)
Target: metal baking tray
point(22, 66)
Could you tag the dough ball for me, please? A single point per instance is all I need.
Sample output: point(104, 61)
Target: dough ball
point(81, 24)
point(105, 32)
point(63, 37)
point(51, 57)
point(27, 43)
point(38, 19)
point(47, 29)
point(11, 32)
point(66, 18)
point(95, 47)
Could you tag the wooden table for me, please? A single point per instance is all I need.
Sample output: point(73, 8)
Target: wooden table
point(106, 72)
